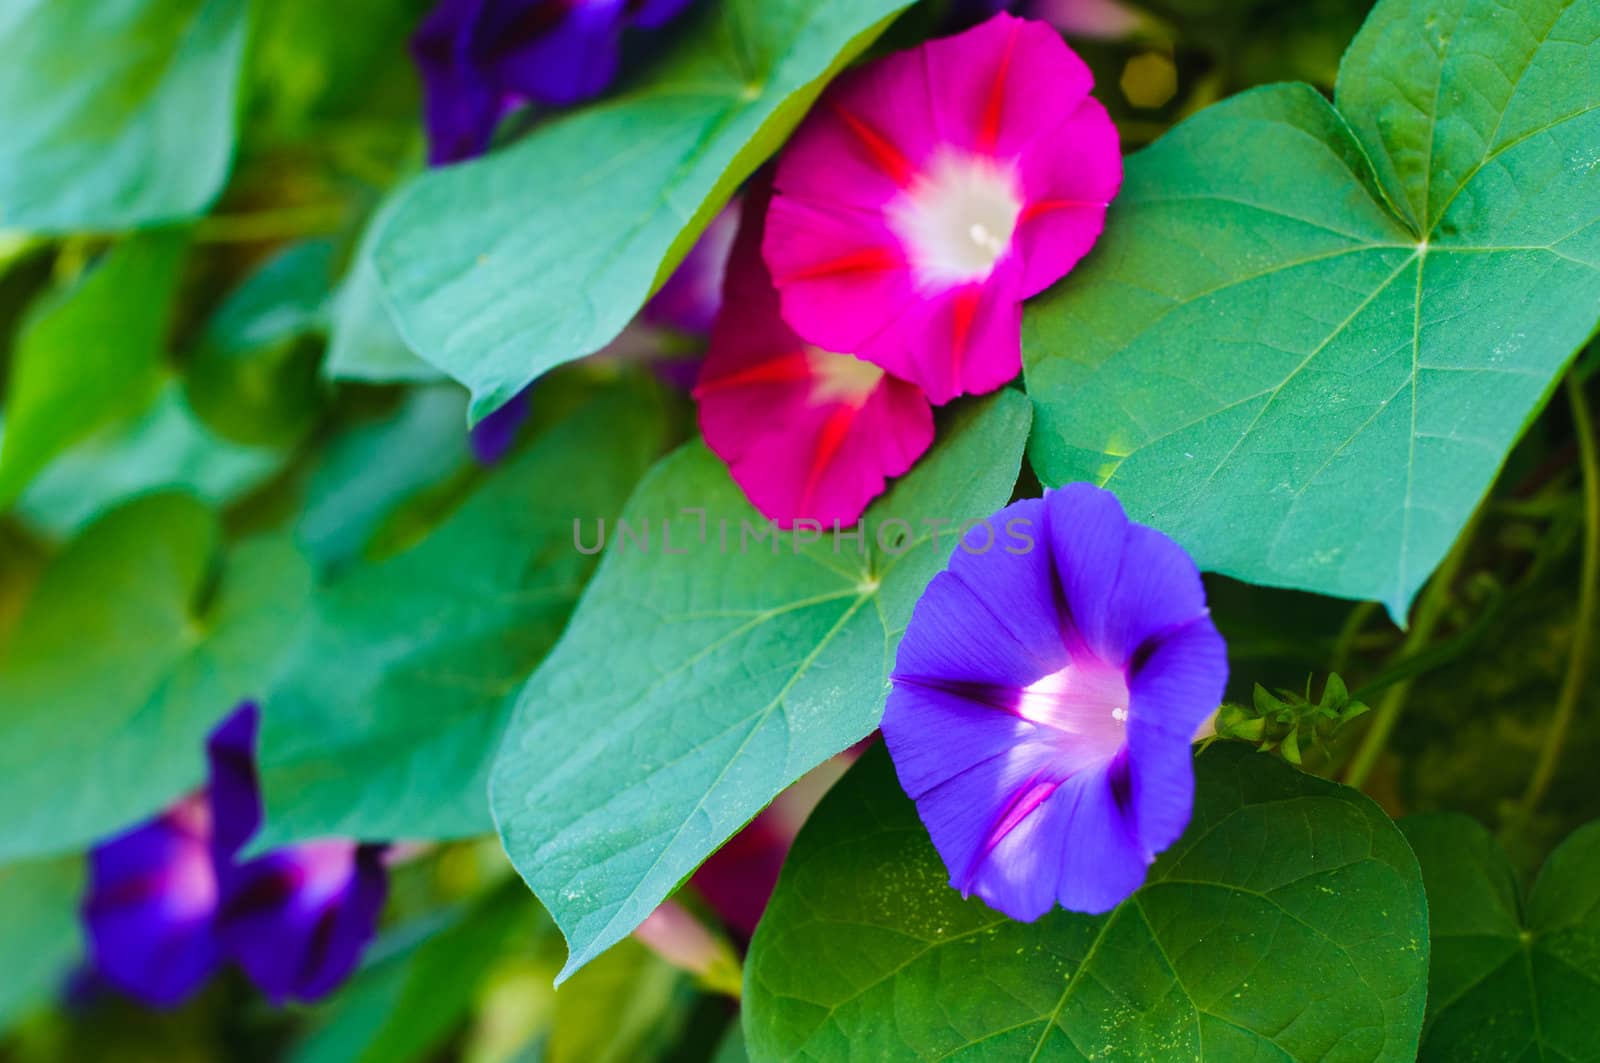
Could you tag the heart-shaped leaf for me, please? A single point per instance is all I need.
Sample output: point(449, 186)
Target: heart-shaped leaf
point(503, 268)
point(701, 677)
point(1511, 978)
point(117, 115)
point(1288, 923)
point(1309, 336)
point(134, 643)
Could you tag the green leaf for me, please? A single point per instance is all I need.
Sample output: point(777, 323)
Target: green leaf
point(163, 446)
point(405, 1005)
point(39, 935)
point(1288, 923)
point(1305, 388)
point(388, 711)
point(696, 682)
point(88, 356)
point(134, 643)
point(626, 1006)
point(117, 115)
point(253, 376)
point(502, 268)
point(1511, 979)
point(365, 343)
point(368, 471)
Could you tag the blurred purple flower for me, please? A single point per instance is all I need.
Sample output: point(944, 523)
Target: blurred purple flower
point(169, 902)
point(1045, 699)
point(491, 438)
point(478, 58)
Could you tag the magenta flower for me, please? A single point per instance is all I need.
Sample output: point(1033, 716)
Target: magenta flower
point(169, 902)
point(1045, 699)
point(480, 58)
point(808, 434)
point(929, 193)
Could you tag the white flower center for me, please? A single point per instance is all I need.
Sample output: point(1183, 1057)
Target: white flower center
point(957, 219)
point(840, 378)
point(1087, 702)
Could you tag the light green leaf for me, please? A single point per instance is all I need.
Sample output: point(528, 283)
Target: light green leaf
point(1288, 923)
point(696, 682)
point(135, 641)
point(163, 446)
point(117, 115)
point(387, 714)
point(365, 343)
point(626, 1006)
point(1511, 979)
point(502, 268)
point(88, 356)
point(39, 935)
point(1303, 387)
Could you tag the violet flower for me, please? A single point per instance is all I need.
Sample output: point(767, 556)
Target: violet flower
point(169, 902)
point(479, 58)
point(1046, 695)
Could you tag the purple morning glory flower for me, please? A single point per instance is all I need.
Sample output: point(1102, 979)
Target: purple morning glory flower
point(1045, 699)
point(478, 58)
point(152, 895)
point(169, 902)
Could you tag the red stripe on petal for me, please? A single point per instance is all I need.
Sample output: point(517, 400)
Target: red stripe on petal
point(994, 108)
point(1046, 206)
point(963, 312)
point(834, 431)
point(884, 155)
point(871, 260)
point(785, 369)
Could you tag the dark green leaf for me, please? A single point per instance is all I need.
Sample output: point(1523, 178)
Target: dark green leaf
point(1510, 979)
point(390, 706)
point(134, 643)
point(88, 356)
point(696, 682)
point(253, 377)
point(505, 267)
point(1302, 386)
point(1288, 923)
point(117, 115)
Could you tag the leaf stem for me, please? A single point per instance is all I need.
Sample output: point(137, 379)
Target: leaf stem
point(1583, 624)
point(268, 226)
point(1430, 610)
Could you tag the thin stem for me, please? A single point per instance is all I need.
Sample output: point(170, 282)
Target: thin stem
point(1430, 610)
point(268, 226)
point(1353, 625)
point(1583, 624)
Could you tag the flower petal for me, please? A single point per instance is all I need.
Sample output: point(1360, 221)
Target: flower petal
point(297, 920)
point(1067, 190)
point(967, 341)
point(807, 434)
point(1178, 682)
point(152, 893)
point(232, 787)
point(1002, 85)
point(574, 59)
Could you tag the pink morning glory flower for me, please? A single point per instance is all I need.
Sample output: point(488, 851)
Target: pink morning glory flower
point(1045, 700)
point(807, 433)
point(930, 192)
